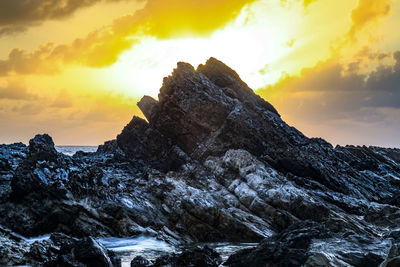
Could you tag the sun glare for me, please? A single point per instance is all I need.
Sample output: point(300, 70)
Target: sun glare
point(254, 46)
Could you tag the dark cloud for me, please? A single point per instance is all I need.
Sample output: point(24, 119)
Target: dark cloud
point(333, 76)
point(11, 30)
point(334, 96)
point(18, 15)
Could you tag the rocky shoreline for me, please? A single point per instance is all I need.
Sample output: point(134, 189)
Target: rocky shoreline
point(213, 162)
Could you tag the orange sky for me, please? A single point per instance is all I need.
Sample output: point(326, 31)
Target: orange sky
point(75, 69)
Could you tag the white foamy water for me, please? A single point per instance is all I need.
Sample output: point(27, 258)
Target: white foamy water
point(128, 248)
point(32, 240)
point(71, 150)
point(151, 248)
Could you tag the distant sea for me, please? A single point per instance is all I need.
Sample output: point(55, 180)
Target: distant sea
point(71, 150)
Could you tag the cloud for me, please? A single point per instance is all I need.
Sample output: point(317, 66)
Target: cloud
point(366, 12)
point(169, 18)
point(379, 88)
point(342, 103)
point(158, 18)
point(86, 118)
point(63, 100)
point(11, 30)
point(18, 16)
point(28, 109)
point(15, 90)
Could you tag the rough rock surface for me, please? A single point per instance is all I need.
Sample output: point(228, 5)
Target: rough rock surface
point(288, 248)
point(195, 257)
point(213, 162)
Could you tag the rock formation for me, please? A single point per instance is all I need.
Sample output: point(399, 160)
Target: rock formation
point(213, 162)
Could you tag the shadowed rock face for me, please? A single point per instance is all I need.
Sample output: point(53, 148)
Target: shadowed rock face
point(289, 248)
point(139, 140)
point(209, 111)
point(42, 148)
point(213, 162)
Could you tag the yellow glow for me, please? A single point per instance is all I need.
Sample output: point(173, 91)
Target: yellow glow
point(104, 58)
point(246, 47)
point(255, 45)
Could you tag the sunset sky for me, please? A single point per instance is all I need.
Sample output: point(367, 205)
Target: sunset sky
point(76, 68)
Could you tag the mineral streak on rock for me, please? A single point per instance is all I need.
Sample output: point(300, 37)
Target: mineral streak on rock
point(212, 162)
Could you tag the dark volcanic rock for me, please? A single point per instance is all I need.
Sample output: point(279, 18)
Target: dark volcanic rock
point(140, 141)
point(206, 113)
point(12, 248)
point(289, 248)
point(233, 86)
point(62, 250)
point(194, 257)
point(41, 147)
point(214, 162)
point(139, 261)
point(42, 168)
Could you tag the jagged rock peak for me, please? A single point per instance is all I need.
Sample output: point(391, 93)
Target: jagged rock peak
point(148, 106)
point(208, 111)
point(213, 73)
point(220, 73)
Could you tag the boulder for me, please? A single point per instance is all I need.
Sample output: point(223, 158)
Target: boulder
point(288, 248)
point(193, 257)
point(41, 147)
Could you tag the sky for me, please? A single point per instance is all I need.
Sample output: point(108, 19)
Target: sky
point(76, 69)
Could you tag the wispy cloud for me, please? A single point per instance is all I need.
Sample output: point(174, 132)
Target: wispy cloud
point(158, 18)
point(15, 90)
point(367, 11)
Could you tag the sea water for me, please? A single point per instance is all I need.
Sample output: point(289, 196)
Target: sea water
point(151, 248)
point(127, 248)
point(71, 150)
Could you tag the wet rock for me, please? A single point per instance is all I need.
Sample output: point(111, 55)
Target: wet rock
point(44, 167)
point(91, 253)
point(194, 257)
point(288, 248)
point(10, 157)
point(12, 248)
point(62, 250)
point(41, 147)
point(139, 261)
point(347, 250)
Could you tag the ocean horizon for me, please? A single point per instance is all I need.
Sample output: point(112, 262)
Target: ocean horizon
point(71, 150)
